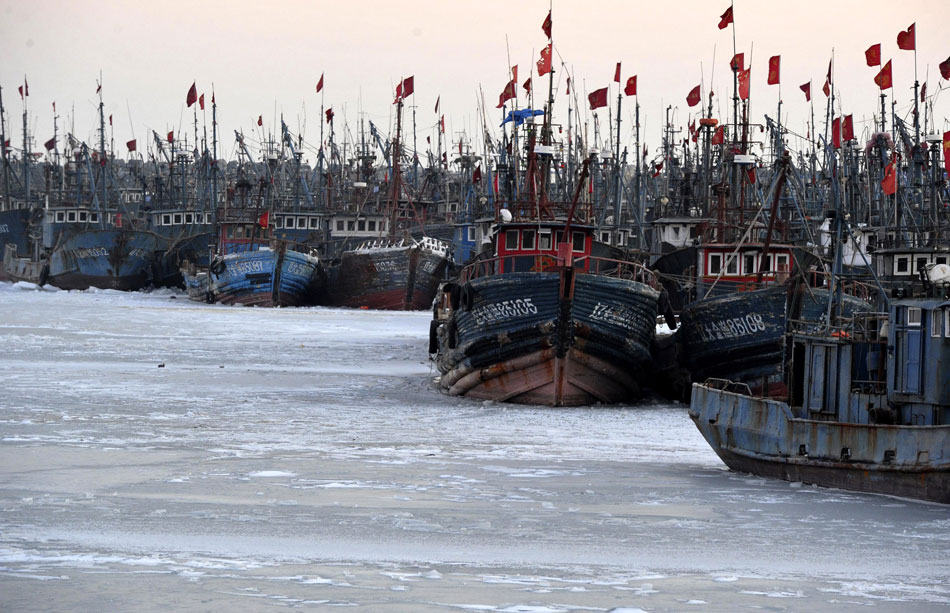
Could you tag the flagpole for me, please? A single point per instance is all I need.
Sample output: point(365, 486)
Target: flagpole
point(323, 194)
point(735, 80)
point(618, 169)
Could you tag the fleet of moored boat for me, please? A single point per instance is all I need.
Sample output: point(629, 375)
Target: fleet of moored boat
point(803, 298)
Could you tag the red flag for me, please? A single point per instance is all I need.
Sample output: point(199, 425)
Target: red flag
point(720, 136)
point(774, 62)
point(826, 88)
point(110, 120)
point(544, 64)
point(883, 78)
point(212, 96)
point(514, 72)
point(597, 98)
point(889, 184)
point(923, 92)
point(171, 136)
point(329, 114)
point(631, 88)
point(407, 86)
point(946, 151)
point(836, 133)
point(477, 174)
point(945, 69)
point(263, 220)
point(192, 95)
point(751, 174)
point(907, 39)
point(131, 145)
point(738, 62)
point(617, 73)
point(807, 89)
point(437, 103)
point(320, 83)
point(54, 107)
point(442, 124)
point(725, 19)
point(847, 128)
point(656, 169)
point(20, 89)
point(98, 87)
point(744, 83)
point(50, 143)
point(546, 26)
point(260, 120)
point(569, 82)
point(26, 87)
point(693, 98)
point(201, 101)
point(873, 55)
point(527, 86)
point(508, 93)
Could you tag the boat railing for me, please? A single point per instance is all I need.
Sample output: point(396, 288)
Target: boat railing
point(851, 287)
point(860, 328)
point(725, 385)
point(607, 267)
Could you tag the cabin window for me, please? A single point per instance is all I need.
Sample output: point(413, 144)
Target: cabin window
point(715, 264)
point(781, 262)
point(766, 263)
point(302, 223)
point(470, 232)
point(289, 222)
point(71, 216)
point(935, 323)
point(902, 265)
point(314, 223)
point(94, 217)
point(748, 264)
point(921, 263)
point(166, 220)
point(189, 218)
point(511, 240)
point(60, 216)
point(83, 216)
point(940, 259)
point(178, 218)
point(371, 225)
point(239, 232)
point(732, 264)
point(544, 240)
point(208, 218)
point(339, 225)
point(913, 316)
point(605, 237)
point(676, 232)
point(527, 239)
point(137, 197)
point(578, 241)
point(361, 226)
point(279, 223)
point(350, 225)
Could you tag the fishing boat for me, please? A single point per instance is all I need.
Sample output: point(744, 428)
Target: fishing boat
point(395, 270)
point(540, 320)
point(868, 406)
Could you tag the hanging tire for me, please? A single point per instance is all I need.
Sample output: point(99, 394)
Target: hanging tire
point(433, 336)
point(467, 297)
point(455, 293)
point(453, 334)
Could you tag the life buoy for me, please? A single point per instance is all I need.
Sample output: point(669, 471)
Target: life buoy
point(467, 297)
point(433, 336)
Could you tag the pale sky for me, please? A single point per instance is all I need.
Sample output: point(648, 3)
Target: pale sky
point(265, 59)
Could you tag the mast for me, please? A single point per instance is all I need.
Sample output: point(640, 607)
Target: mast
point(214, 171)
point(26, 156)
point(102, 147)
point(3, 144)
point(395, 185)
point(617, 167)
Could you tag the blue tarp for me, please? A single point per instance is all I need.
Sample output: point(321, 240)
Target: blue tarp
point(519, 116)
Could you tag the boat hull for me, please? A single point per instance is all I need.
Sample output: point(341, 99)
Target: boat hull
point(549, 338)
point(762, 437)
point(390, 278)
point(265, 278)
point(107, 259)
point(14, 227)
